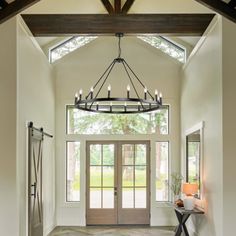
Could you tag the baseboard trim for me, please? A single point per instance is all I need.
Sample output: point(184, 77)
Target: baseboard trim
point(192, 232)
point(49, 229)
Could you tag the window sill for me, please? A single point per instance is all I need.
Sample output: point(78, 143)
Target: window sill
point(164, 204)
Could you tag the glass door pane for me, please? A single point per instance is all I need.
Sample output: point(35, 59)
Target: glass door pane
point(101, 183)
point(102, 173)
point(134, 175)
point(134, 199)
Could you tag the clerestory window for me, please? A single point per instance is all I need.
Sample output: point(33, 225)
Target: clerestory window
point(68, 46)
point(166, 46)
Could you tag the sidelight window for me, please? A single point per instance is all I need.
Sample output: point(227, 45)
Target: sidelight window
point(73, 172)
point(162, 171)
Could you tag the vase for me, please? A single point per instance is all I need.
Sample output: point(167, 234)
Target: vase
point(176, 198)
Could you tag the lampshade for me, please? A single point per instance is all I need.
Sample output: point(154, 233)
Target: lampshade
point(190, 189)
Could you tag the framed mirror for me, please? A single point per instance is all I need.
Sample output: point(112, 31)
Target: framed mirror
point(194, 156)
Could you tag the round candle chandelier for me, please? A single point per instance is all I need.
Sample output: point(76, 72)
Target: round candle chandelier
point(139, 103)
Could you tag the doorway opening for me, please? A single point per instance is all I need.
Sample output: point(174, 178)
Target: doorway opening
point(118, 182)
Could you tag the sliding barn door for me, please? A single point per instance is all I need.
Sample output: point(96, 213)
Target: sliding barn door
point(35, 205)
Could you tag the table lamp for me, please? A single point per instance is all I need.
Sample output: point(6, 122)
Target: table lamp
point(189, 190)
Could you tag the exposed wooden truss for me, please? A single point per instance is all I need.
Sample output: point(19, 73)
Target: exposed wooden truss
point(13, 8)
point(3, 4)
point(104, 24)
point(232, 3)
point(9, 10)
point(117, 9)
point(117, 5)
point(226, 9)
point(108, 6)
point(127, 6)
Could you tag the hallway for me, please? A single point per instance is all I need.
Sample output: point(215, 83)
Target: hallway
point(113, 231)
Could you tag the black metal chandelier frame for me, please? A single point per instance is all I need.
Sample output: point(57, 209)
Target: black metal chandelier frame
point(118, 105)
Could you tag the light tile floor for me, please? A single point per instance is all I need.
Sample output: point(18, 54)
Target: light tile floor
point(113, 231)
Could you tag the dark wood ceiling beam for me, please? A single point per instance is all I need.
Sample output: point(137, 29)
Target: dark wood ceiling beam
point(108, 6)
point(104, 24)
point(117, 5)
point(220, 7)
point(3, 4)
point(14, 8)
point(232, 3)
point(127, 6)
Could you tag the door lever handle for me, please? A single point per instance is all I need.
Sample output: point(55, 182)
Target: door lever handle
point(34, 191)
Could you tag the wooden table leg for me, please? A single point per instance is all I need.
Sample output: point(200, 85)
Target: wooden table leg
point(182, 218)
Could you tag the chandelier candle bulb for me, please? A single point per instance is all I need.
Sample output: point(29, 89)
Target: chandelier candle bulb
point(80, 94)
point(125, 106)
point(145, 93)
point(97, 106)
point(76, 97)
point(109, 90)
point(128, 90)
point(91, 92)
point(156, 94)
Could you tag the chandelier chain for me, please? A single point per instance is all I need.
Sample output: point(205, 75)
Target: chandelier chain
point(119, 47)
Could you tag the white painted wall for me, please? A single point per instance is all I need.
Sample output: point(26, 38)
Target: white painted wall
point(27, 94)
point(81, 69)
point(95, 6)
point(8, 191)
point(201, 100)
point(35, 102)
point(229, 126)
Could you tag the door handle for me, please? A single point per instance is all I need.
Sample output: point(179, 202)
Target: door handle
point(115, 191)
point(34, 189)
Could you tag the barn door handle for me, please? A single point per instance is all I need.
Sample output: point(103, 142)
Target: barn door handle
point(34, 189)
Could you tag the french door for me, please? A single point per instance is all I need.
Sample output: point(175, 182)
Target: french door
point(117, 188)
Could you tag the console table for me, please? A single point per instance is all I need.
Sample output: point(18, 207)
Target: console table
point(183, 216)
